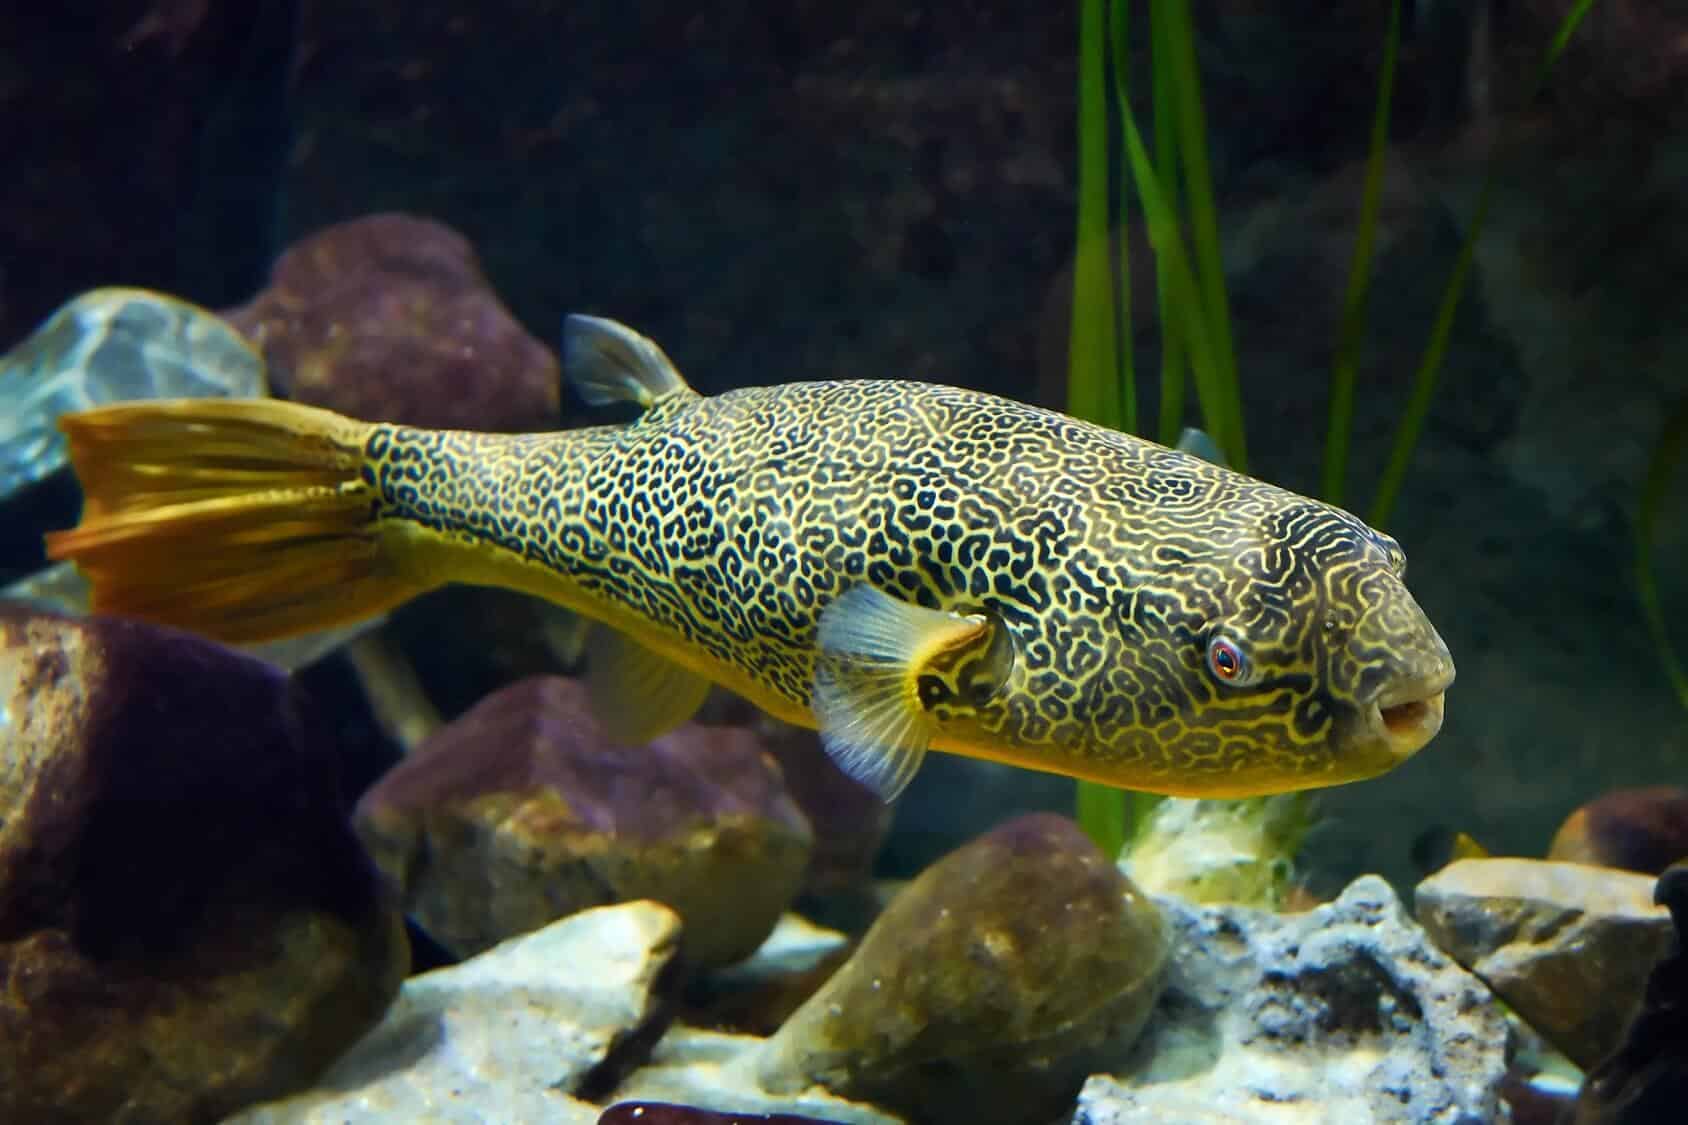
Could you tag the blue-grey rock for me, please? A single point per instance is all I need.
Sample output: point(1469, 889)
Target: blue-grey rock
point(1346, 1013)
point(112, 345)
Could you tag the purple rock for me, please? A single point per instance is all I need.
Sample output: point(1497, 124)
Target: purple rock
point(388, 318)
point(522, 811)
point(187, 921)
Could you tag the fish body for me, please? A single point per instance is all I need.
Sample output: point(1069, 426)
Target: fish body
point(902, 565)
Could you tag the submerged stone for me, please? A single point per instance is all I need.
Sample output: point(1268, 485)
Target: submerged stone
point(1343, 1013)
point(988, 989)
point(667, 1113)
point(1567, 945)
point(111, 345)
point(850, 821)
point(512, 1035)
point(1646, 1078)
point(388, 318)
point(716, 1071)
point(1642, 830)
point(522, 811)
point(187, 921)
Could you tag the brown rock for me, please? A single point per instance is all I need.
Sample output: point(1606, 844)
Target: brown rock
point(522, 811)
point(1568, 946)
point(989, 989)
point(1646, 1079)
point(388, 318)
point(187, 922)
point(1643, 830)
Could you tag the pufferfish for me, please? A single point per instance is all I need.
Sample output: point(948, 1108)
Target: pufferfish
point(902, 566)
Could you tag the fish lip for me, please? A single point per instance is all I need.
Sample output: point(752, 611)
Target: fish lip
point(1407, 715)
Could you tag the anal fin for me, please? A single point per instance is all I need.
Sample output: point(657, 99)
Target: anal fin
point(636, 694)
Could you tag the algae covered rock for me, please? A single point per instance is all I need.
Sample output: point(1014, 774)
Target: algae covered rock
point(1567, 945)
point(187, 921)
point(988, 988)
point(1344, 1013)
point(522, 811)
point(388, 318)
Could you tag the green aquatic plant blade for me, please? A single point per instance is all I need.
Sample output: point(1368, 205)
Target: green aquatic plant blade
point(1562, 38)
point(1656, 492)
point(1119, 12)
point(1184, 84)
point(1212, 389)
point(1094, 382)
point(1354, 301)
point(1165, 110)
point(1092, 362)
point(1102, 815)
point(1429, 368)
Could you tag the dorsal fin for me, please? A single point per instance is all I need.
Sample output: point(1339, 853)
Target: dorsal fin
point(609, 362)
point(1201, 444)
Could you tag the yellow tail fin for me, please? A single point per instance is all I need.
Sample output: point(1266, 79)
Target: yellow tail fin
point(243, 520)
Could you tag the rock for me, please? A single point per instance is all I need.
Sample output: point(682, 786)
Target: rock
point(1643, 830)
point(1211, 851)
point(1566, 945)
point(850, 822)
point(1344, 1013)
point(717, 1071)
point(666, 1113)
point(511, 1035)
point(388, 318)
point(1646, 1079)
point(757, 995)
point(521, 811)
point(109, 345)
point(988, 989)
point(187, 922)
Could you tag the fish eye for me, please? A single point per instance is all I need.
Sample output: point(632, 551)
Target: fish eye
point(1225, 660)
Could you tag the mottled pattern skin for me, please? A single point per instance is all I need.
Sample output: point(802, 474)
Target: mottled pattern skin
point(729, 523)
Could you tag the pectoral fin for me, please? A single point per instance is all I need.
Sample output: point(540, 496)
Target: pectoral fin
point(606, 362)
point(873, 650)
point(636, 694)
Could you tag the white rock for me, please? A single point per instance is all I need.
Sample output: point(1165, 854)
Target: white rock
point(712, 1070)
point(504, 1037)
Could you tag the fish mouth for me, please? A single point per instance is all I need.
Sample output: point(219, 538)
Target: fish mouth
point(1408, 717)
